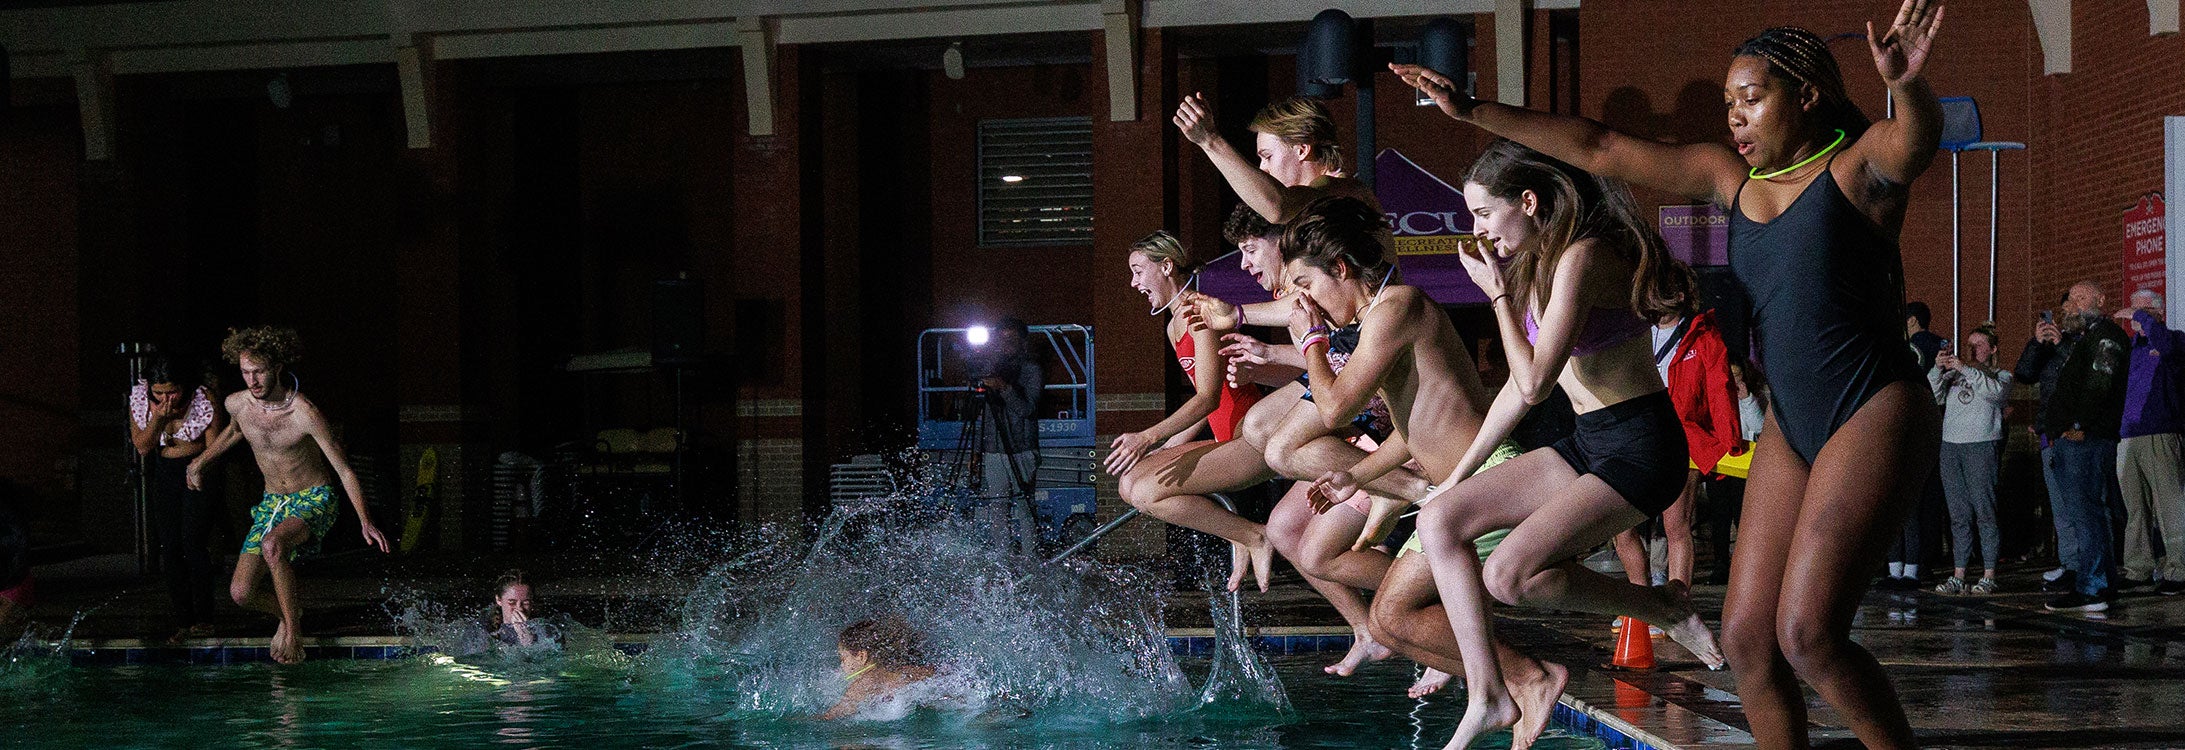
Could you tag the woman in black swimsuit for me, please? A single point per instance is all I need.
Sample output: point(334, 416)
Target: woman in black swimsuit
point(1817, 198)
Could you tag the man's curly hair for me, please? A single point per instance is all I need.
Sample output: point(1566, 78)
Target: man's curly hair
point(277, 347)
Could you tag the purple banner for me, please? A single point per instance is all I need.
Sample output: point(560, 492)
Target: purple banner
point(1430, 221)
point(1698, 235)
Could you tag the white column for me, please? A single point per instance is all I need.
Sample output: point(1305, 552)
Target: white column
point(2162, 16)
point(756, 36)
point(414, 65)
point(2052, 25)
point(2173, 230)
point(1121, 33)
point(1510, 17)
point(94, 72)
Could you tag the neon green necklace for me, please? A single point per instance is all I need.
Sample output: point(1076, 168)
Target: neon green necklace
point(854, 675)
point(1755, 171)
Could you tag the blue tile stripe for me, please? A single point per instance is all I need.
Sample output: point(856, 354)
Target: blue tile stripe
point(1181, 645)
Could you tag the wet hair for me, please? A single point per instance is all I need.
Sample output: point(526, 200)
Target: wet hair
point(1337, 231)
point(512, 578)
point(1161, 246)
point(886, 640)
point(1920, 312)
point(277, 347)
point(1246, 224)
point(1801, 57)
point(176, 370)
point(1299, 121)
point(1577, 205)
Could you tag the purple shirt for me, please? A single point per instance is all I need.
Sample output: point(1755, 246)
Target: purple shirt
point(2151, 397)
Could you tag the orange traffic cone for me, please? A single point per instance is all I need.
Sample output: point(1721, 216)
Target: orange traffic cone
point(1634, 649)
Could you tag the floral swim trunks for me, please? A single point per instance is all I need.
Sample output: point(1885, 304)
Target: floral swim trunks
point(315, 506)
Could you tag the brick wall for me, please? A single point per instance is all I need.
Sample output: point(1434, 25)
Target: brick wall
point(770, 480)
point(2098, 146)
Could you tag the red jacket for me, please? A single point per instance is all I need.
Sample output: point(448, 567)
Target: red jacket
point(1699, 386)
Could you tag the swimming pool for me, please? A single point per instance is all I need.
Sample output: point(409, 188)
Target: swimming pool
point(609, 699)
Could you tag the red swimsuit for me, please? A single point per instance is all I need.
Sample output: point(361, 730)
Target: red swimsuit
point(1235, 400)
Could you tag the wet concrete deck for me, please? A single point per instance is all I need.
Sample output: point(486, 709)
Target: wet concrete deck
point(1974, 672)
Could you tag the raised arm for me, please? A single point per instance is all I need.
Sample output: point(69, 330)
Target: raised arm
point(1699, 171)
point(1898, 149)
point(1274, 201)
point(314, 424)
point(144, 436)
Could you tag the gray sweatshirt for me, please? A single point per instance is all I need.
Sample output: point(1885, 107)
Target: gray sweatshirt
point(1972, 402)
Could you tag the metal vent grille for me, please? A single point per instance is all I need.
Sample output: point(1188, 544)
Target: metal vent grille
point(1035, 181)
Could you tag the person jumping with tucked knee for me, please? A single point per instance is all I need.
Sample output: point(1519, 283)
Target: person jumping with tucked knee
point(1585, 280)
point(300, 458)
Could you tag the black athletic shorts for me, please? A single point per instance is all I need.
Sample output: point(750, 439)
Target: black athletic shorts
point(1636, 447)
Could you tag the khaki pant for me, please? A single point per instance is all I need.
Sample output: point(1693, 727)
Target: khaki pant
point(2151, 471)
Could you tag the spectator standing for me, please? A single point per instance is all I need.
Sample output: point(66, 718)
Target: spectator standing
point(1906, 556)
point(2151, 449)
point(1972, 393)
point(2079, 363)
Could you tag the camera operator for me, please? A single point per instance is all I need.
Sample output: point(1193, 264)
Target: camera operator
point(1008, 380)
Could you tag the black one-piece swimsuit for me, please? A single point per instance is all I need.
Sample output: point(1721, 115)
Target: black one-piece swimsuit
point(1827, 289)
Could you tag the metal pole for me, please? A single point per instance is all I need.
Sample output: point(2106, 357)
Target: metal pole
point(1118, 522)
point(1955, 330)
point(1092, 537)
point(1994, 163)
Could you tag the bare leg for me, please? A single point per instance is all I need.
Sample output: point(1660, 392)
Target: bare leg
point(1775, 706)
point(1172, 485)
point(1286, 527)
point(1408, 615)
point(1677, 529)
point(288, 598)
point(1446, 530)
point(1868, 476)
point(1631, 551)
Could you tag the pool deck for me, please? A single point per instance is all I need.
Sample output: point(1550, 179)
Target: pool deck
point(1993, 672)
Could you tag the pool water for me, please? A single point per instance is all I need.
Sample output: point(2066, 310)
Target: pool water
point(605, 700)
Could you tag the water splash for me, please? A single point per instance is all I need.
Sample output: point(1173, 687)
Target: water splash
point(1077, 644)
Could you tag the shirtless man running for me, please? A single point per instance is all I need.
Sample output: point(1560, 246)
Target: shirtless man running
point(300, 458)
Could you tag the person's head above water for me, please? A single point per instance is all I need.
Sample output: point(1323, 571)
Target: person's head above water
point(1160, 266)
point(1295, 140)
point(512, 598)
point(886, 642)
point(1259, 245)
point(263, 354)
point(1784, 91)
point(1336, 253)
point(1530, 208)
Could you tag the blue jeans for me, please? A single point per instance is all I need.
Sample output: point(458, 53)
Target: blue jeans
point(2078, 477)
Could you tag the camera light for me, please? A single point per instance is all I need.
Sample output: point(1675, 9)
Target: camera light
point(978, 335)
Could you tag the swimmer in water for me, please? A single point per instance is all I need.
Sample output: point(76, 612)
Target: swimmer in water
point(880, 656)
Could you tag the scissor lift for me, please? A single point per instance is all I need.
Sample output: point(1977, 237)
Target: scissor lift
point(1063, 496)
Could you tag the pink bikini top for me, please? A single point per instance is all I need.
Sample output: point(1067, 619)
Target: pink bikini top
point(1605, 327)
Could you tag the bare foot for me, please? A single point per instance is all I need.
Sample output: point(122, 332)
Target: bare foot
point(1428, 684)
point(1363, 649)
point(1240, 562)
point(1261, 558)
point(1692, 632)
point(283, 649)
point(1536, 703)
point(1484, 715)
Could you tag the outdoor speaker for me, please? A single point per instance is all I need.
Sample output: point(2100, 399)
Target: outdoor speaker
point(1325, 58)
point(678, 322)
point(1442, 49)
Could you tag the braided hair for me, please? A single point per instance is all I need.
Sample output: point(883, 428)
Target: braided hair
point(1801, 57)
